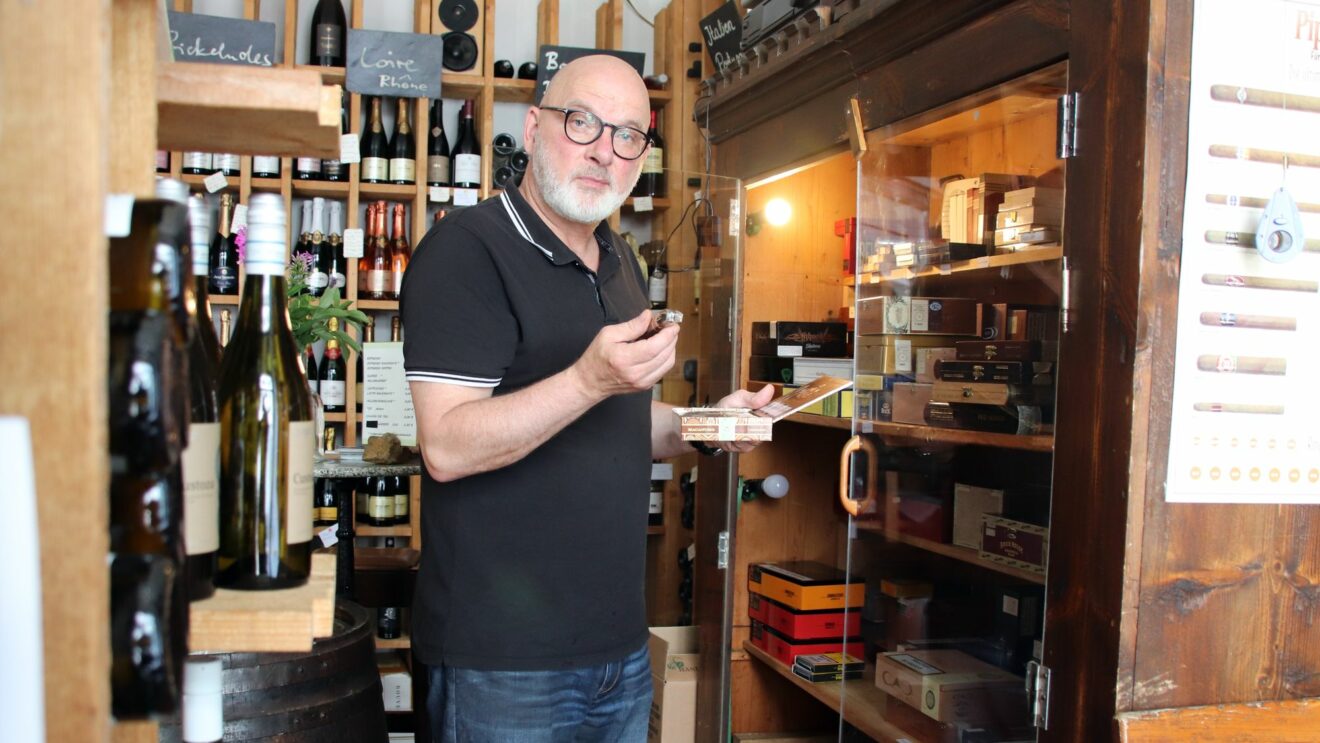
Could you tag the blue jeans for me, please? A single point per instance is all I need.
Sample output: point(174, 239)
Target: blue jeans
point(610, 703)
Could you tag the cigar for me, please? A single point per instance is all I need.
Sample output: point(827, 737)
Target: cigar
point(1234, 407)
point(1252, 202)
point(1257, 155)
point(1266, 98)
point(1234, 320)
point(1247, 240)
point(1258, 282)
point(1242, 364)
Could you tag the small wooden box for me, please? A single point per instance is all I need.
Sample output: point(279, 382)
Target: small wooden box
point(1014, 543)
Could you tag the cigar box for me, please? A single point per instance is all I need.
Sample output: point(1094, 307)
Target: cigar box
point(989, 393)
point(928, 358)
point(1043, 215)
point(742, 424)
point(786, 649)
point(807, 368)
point(970, 503)
point(1022, 420)
point(1030, 234)
point(910, 399)
point(950, 686)
point(934, 254)
point(830, 663)
point(1014, 543)
point(806, 586)
point(892, 315)
point(820, 676)
point(799, 338)
point(1025, 198)
point(896, 355)
point(969, 205)
point(811, 625)
point(994, 321)
point(1007, 372)
point(1006, 350)
point(758, 606)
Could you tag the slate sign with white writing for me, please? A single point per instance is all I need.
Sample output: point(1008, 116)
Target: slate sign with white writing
point(551, 58)
point(722, 32)
point(207, 38)
point(395, 64)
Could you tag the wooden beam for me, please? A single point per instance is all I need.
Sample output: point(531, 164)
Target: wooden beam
point(1293, 721)
point(133, 78)
point(547, 23)
point(247, 110)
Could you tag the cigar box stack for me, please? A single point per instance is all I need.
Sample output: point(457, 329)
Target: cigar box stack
point(997, 386)
point(1029, 218)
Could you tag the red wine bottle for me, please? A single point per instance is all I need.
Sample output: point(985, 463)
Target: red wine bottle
point(328, 34)
point(467, 154)
point(437, 148)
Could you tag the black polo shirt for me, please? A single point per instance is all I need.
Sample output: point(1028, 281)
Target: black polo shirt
point(541, 564)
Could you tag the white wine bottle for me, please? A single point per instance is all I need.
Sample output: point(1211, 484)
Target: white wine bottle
point(267, 432)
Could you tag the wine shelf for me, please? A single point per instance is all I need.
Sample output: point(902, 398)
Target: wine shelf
point(951, 551)
point(366, 530)
point(266, 185)
point(402, 642)
point(512, 90)
point(929, 434)
point(655, 531)
point(336, 417)
point(329, 75)
point(387, 191)
point(196, 182)
point(280, 621)
point(388, 305)
point(329, 189)
point(225, 299)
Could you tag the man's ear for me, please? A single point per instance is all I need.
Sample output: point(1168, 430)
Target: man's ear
point(530, 124)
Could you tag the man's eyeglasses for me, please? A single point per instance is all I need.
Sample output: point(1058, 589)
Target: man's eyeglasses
point(583, 127)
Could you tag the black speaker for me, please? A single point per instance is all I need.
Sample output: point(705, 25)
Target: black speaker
point(460, 51)
point(462, 25)
point(458, 15)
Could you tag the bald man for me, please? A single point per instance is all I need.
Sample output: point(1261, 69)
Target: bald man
point(531, 370)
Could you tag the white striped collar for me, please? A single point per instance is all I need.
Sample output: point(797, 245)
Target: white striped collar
point(521, 226)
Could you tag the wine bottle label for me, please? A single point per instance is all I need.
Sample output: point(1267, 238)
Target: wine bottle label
point(329, 40)
point(301, 449)
point(333, 392)
point(308, 165)
point(357, 390)
point(655, 160)
point(401, 505)
point(378, 281)
point(657, 289)
point(223, 280)
point(197, 160)
point(375, 169)
point(381, 507)
point(437, 170)
point(162, 159)
point(396, 285)
point(328, 513)
point(657, 502)
point(318, 280)
point(338, 280)
point(467, 168)
point(403, 169)
point(265, 164)
point(201, 488)
point(227, 162)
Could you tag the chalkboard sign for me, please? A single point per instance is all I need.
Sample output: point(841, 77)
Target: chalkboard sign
point(552, 58)
point(395, 64)
point(722, 31)
point(208, 38)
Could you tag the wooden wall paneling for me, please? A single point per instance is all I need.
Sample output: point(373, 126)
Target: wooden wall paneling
point(486, 62)
point(134, 732)
point(291, 33)
point(1276, 722)
point(133, 77)
point(1102, 239)
point(768, 702)
point(609, 25)
point(547, 23)
point(52, 194)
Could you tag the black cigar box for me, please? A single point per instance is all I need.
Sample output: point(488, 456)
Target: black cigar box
point(791, 338)
point(1005, 350)
point(1039, 373)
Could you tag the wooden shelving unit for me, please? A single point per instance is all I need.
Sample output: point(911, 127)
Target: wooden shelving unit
point(1040, 255)
point(402, 642)
point(283, 621)
point(929, 434)
point(951, 551)
point(367, 530)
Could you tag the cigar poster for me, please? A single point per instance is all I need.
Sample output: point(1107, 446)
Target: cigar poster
point(1246, 397)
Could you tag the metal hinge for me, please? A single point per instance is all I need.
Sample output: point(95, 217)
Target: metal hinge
point(1067, 134)
point(1038, 694)
point(730, 318)
point(722, 551)
point(1065, 297)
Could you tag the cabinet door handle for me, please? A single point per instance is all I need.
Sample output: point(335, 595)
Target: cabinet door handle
point(857, 507)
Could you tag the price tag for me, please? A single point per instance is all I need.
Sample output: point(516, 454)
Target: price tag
point(735, 215)
point(353, 243)
point(327, 535)
point(903, 356)
point(642, 204)
point(726, 428)
point(239, 220)
point(216, 182)
point(437, 194)
point(118, 214)
point(662, 470)
point(350, 151)
point(465, 197)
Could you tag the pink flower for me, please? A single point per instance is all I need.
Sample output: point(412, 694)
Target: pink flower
point(306, 259)
point(240, 241)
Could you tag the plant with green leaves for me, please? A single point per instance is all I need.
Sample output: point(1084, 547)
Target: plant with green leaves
point(310, 315)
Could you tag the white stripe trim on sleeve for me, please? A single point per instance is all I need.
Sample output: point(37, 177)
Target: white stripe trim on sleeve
point(458, 379)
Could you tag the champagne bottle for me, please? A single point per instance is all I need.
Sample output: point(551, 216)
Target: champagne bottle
point(225, 328)
point(364, 261)
point(467, 155)
point(375, 148)
point(265, 166)
point(199, 215)
point(437, 148)
point(317, 279)
point(304, 229)
point(328, 25)
point(403, 150)
point(333, 374)
point(657, 287)
point(400, 253)
point(378, 257)
point(368, 336)
point(332, 256)
point(224, 252)
point(652, 180)
point(335, 169)
point(267, 438)
point(312, 370)
point(380, 501)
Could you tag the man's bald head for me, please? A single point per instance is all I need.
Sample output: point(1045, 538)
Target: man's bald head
point(599, 75)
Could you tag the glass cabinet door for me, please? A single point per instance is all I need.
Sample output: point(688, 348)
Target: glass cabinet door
point(946, 479)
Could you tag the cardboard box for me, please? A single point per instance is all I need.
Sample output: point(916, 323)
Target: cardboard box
point(396, 684)
point(1037, 214)
point(1024, 198)
point(950, 686)
point(892, 315)
point(970, 503)
point(742, 424)
point(806, 586)
point(674, 661)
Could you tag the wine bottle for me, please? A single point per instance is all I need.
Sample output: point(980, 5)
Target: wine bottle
point(307, 168)
point(403, 150)
point(317, 279)
point(312, 370)
point(226, 162)
point(363, 498)
point(226, 327)
point(364, 261)
point(327, 511)
point(224, 252)
point(265, 166)
point(197, 163)
point(375, 148)
point(368, 336)
point(378, 257)
point(335, 169)
point(328, 24)
point(437, 148)
point(203, 700)
point(657, 286)
point(380, 502)
point(467, 155)
point(387, 622)
point(199, 216)
point(333, 374)
point(331, 259)
point(267, 438)
point(162, 161)
point(402, 496)
point(502, 176)
point(400, 253)
point(652, 181)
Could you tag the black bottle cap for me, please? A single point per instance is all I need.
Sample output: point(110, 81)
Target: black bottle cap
point(460, 51)
point(503, 68)
point(527, 71)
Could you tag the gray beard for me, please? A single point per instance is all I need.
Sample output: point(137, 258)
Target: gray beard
point(560, 197)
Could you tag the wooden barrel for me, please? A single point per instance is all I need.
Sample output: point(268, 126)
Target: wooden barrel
point(330, 695)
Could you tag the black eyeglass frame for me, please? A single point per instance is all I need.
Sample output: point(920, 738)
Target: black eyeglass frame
point(646, 140)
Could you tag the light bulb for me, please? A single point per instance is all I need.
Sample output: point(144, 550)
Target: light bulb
point(775, 486)
point(778, 212)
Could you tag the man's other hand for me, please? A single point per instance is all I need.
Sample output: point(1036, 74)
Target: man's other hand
point(619, 360)
point(744, 399)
